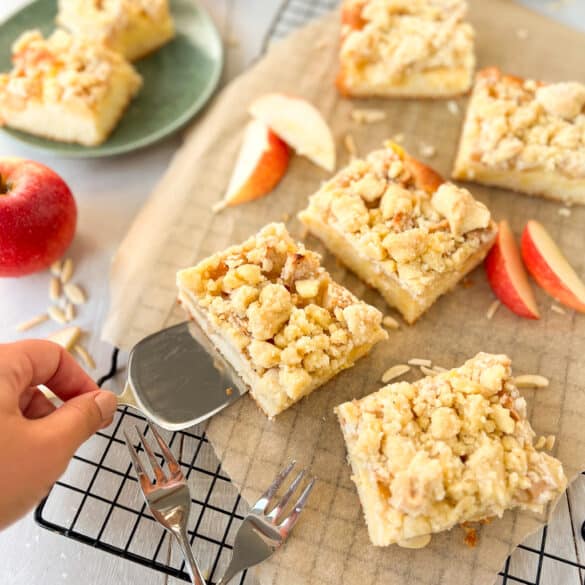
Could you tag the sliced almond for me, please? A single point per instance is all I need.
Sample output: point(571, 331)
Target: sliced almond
point(492, 310)
point(439, 369)
point(390, 322)
point(55, 289)
point(564, 212)
point(66, 338)
point(367, 116)
point(26, 325)
point(56, 267)
point(69, 312)
point(453, 107)
point(531, 381)
point(67, 271)
point(57, 314)
point(540, 443)
point(394, 372)
point(415, 542)
point(350, 145)
point(549, 442)
point(420, 362)
point(557, 309)
point(428, 371)
point(75, 293)
point(84, 355)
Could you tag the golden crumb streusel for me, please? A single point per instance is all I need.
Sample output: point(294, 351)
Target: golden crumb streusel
point(450, 448)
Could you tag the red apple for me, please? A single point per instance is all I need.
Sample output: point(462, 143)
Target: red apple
point(507, 276)
point(300, 124)
point(550, 268)
point(261, 163)
point(38, 216)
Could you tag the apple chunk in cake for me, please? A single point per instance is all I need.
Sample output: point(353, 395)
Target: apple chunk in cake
point(277, 317)
point(395, 223)
point(398, 48)
point(131, 27)
point(525, 135)
point(451, 448)
point(65, 88)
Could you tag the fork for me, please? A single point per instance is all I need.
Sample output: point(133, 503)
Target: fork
point(167, 497)
point(263, 532)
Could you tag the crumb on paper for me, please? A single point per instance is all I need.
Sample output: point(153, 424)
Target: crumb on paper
point(350, 146)
point(557, 309)
point(229, 391)
point(471, 537)
point(427, 150)
point(467, 282)
point(492, 309)
point(398, 137)
point(453, 107)
point(564, 212)
point(522, 34)
point(367, 116)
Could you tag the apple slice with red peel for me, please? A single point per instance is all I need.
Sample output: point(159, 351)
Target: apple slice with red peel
point(550, 268)
point(261, 163)
point(507, 276)
point(299, 124)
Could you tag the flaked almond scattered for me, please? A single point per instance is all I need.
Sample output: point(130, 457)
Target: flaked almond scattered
point(57, 314)
point(74, 293)
point(453, 107)
point(367, 116)
point(350, 145)
point(390, 322)
point(84, 355)
point(415, 542)
point(56, 268)
point(54, 289)
point(69, 312)
point(531, 381)
point(26, 325)
point(394, 372)
point(67, 271)
point(420, 362)
point(564, 212)
point(66, 338)
point(540, 443)
point(439, 369)
point(550, 442)
point(557, 309)
point(428, 371)
point(427, 150)
point(492, 309)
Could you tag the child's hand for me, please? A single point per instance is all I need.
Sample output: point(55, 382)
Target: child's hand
point(36, 440)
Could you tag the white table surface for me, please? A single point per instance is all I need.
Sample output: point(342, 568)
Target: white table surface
point(109, 193)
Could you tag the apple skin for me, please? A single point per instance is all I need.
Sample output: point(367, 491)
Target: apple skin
point(549, 267)
point(38, 217)
point(507, 276)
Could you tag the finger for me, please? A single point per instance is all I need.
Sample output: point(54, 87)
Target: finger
point(76, 420)
point(34, 362)
point(39, 406)
point(26, 397)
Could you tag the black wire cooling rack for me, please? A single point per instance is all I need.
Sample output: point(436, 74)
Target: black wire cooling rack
point(98, 501)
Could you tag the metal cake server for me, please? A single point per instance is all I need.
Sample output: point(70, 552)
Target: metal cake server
point(178, 379)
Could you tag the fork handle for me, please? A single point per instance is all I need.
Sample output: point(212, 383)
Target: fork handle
point(192, 566)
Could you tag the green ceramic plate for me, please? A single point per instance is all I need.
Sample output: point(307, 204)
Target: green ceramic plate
point(179, 78)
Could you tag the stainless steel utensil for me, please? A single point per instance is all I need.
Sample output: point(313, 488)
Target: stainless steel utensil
point(177, 378)
point(262, 532)
point(168, 497)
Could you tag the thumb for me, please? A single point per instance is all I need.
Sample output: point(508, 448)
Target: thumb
point(79, 418)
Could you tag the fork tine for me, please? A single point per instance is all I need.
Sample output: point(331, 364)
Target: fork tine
point(262, 503)
point(172, 463)
point(287, 496)
point(288, 523)
point(154, 464)
point(138, 467)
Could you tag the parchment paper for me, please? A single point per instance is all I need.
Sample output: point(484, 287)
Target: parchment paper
point(176, 228)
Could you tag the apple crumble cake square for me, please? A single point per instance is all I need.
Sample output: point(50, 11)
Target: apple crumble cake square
point(405, 48)
point(450, 448)
point(131, 27)
point(66, 88)
point(525, 135)
point(401, 228)
point(275, 314)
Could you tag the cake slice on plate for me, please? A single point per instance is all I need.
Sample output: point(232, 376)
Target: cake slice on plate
point(131, 27)
point(405, 48)
point(525, 135)
point(66, 88)
point(451, 448)
point(275, 314)
point(401, 228)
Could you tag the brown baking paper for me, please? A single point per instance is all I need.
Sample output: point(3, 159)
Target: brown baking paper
point(176, 228)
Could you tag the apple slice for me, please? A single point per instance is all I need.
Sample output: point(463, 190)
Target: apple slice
point(299, 124)
point(550, 268)
point(507, 276)
point(261, 163)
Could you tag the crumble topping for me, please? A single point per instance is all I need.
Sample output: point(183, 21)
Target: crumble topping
point(396, 37)
point(279, 307)
point(398, 220)
point(517, 124)
point(449, 448)
point(61, 68)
